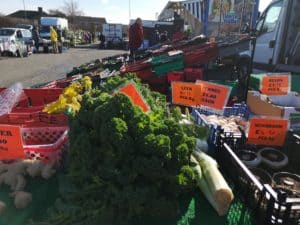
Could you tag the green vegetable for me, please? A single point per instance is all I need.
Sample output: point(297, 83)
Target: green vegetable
point(213, 184)
point(124, 163)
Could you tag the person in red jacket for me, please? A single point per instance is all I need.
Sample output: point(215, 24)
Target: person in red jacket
point(136, 36)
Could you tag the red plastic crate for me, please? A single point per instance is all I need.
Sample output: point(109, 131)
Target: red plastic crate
point(44, 143)
point(34, 100)
point(63, 83)
point(199, 56)
point(193, 74)
point(38, 97)
point(136, 66)
point(36, 118)
point(157, 80)
point(144, 74)
point(157, 83)
point(175, 76)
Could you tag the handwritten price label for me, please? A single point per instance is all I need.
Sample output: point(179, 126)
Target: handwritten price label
point(213, 95)
point(276, 85)
point(186, 94)
point(131, 91)
point(11, 143)
point(268, 132)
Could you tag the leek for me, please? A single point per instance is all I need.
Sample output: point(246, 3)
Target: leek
point(213, 184)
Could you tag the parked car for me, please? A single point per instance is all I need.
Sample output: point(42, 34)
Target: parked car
point(16, 41)
point(25, 26)
point(1, 47)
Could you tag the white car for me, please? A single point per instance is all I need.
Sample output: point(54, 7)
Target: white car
point(1, 47)
point(16, 41)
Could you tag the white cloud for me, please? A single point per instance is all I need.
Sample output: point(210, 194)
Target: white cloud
point(104, 2)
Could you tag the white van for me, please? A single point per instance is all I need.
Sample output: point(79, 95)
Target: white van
point(16, 41)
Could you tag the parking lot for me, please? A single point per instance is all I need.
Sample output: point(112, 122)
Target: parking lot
point(41, 68)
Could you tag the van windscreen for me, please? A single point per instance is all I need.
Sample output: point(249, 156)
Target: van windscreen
point(6, 32)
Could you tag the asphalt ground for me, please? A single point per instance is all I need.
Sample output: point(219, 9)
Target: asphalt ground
point(41, 68)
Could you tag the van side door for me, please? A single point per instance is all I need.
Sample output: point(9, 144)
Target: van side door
point(266, 32)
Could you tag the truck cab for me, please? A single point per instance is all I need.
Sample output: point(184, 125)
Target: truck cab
point(45, 24)
point(277, 32)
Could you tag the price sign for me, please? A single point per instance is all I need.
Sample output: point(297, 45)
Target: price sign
point(186, 94)
point(131, 91)
point(213, 95)
point(270, 132)
point(11, 143)
point(276, 85)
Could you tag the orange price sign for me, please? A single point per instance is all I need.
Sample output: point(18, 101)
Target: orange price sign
point(270, 132)
point(213, 95)
point(131, 91)
point(276, 85)
point(187, 94)
point(11, 146)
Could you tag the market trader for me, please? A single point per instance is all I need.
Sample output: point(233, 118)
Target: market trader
point(136, 36)
point(36, 38)
point(53, 37)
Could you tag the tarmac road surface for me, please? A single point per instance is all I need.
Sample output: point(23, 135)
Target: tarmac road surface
point(41, 68)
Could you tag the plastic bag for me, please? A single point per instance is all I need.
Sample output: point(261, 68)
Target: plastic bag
point(10, 97)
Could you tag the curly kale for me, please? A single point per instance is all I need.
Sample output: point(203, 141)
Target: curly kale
point(126, 163)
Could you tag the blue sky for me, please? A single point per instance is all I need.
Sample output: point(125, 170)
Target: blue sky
point(116, 11)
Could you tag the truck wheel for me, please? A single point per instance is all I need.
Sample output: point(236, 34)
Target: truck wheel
point(46, 49)
point(19, 54)
point(25, 54)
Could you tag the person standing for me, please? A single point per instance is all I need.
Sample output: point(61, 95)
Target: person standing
point(164, 37)
point(36, 38)
point(53, 37)
point(102, 41)
point(155, 38)
point(59, 39)
point(136, 36)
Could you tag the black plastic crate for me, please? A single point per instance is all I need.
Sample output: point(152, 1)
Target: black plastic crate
point(269, 207)
point(239, 109)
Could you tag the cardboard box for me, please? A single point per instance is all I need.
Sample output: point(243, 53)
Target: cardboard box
point(260, 105)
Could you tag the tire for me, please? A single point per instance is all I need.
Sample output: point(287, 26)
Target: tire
point(46, 49)
point(25, 54)
point(19, 54)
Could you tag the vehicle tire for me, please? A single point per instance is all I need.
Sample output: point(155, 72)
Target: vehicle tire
point(25, 54)
point(19, 54)
point(46, 49)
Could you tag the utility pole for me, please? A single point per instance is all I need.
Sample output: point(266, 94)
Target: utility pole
point(25, 14)
point(129, 9)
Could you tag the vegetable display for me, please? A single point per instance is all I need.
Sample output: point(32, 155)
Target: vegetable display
point(125, 164)
point(14, 175)
point(70, 100)
point(229, 124)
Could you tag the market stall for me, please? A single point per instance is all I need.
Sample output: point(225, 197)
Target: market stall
point(103, 147)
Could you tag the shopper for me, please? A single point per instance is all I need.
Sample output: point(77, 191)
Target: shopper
point(36, 38)
point(59, 39)
point(136, 37)
point(164, 37)
point(102, 41)
point(155, 38)
point(53, 36)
